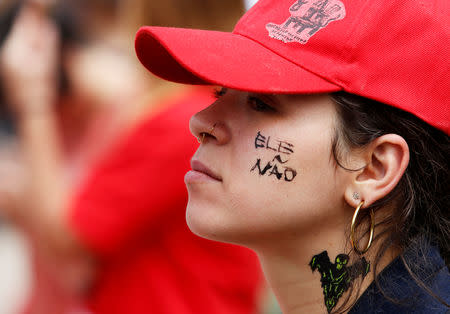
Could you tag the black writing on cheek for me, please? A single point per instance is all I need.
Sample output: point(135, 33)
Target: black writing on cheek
point(278, 158)
point(258, 164)
point(289, 174)
point(260, 140)
point(279, 146)
point(285, 147)
point(276, 164)
point(268, 145)
point(280, 172)
point(275, 172)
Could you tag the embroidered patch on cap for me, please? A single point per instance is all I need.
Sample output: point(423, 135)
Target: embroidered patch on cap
point(307, 18)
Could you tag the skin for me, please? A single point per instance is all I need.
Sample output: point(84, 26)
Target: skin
point(285, 223)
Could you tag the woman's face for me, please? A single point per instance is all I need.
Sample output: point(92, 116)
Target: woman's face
point(266, 170)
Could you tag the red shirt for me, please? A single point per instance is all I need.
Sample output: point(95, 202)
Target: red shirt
point(131, 214)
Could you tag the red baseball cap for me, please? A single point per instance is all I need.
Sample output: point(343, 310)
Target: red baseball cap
point(393, 51)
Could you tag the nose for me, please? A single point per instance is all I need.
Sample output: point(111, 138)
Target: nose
point(208, 126)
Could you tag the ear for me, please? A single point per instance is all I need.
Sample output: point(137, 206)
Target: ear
point(386, 160)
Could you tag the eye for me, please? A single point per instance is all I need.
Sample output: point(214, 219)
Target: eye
point(258, 105)
point(219, 92)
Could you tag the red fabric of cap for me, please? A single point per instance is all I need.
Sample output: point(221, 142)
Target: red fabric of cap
point(393, 51)
point(193, 56)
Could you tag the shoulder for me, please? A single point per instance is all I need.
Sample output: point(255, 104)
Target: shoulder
point(399, 289)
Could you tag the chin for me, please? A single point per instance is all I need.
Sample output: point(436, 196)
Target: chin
point(217, 223)
point(202, 220)
point(212, 222)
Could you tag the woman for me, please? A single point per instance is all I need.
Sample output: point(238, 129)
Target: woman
point(124, 221)
point(327, 150)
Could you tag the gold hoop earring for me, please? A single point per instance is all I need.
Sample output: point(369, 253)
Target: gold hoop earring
point(203, 134)
point(353, 227)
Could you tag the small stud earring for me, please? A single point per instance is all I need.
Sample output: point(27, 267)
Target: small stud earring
point(355, 195)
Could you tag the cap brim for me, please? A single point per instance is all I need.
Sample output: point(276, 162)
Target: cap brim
point(193, 56)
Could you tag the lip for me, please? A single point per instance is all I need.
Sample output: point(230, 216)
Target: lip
point(201, 172)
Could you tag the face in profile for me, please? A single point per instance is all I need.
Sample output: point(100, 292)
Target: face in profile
point(264, 169)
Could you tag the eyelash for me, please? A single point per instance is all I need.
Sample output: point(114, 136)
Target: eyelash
point(259, 105)
point(219, 92)
point(256, 103)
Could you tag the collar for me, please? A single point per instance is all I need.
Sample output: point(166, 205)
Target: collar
point(398, 292)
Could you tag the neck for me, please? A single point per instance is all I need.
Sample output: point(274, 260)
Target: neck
point(297, 288)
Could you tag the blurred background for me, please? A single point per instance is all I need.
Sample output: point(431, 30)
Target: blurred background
point(73, 94)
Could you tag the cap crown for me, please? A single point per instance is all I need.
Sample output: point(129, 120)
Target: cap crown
point(393, 51)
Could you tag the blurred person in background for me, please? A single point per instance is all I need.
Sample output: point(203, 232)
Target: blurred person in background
point(62, 121)
point(113, 227)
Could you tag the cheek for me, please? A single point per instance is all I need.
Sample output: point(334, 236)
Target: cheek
point(232, 211)
point(257, 199)
point(292, 192)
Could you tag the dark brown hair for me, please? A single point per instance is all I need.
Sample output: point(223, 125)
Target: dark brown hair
point(421, 199)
